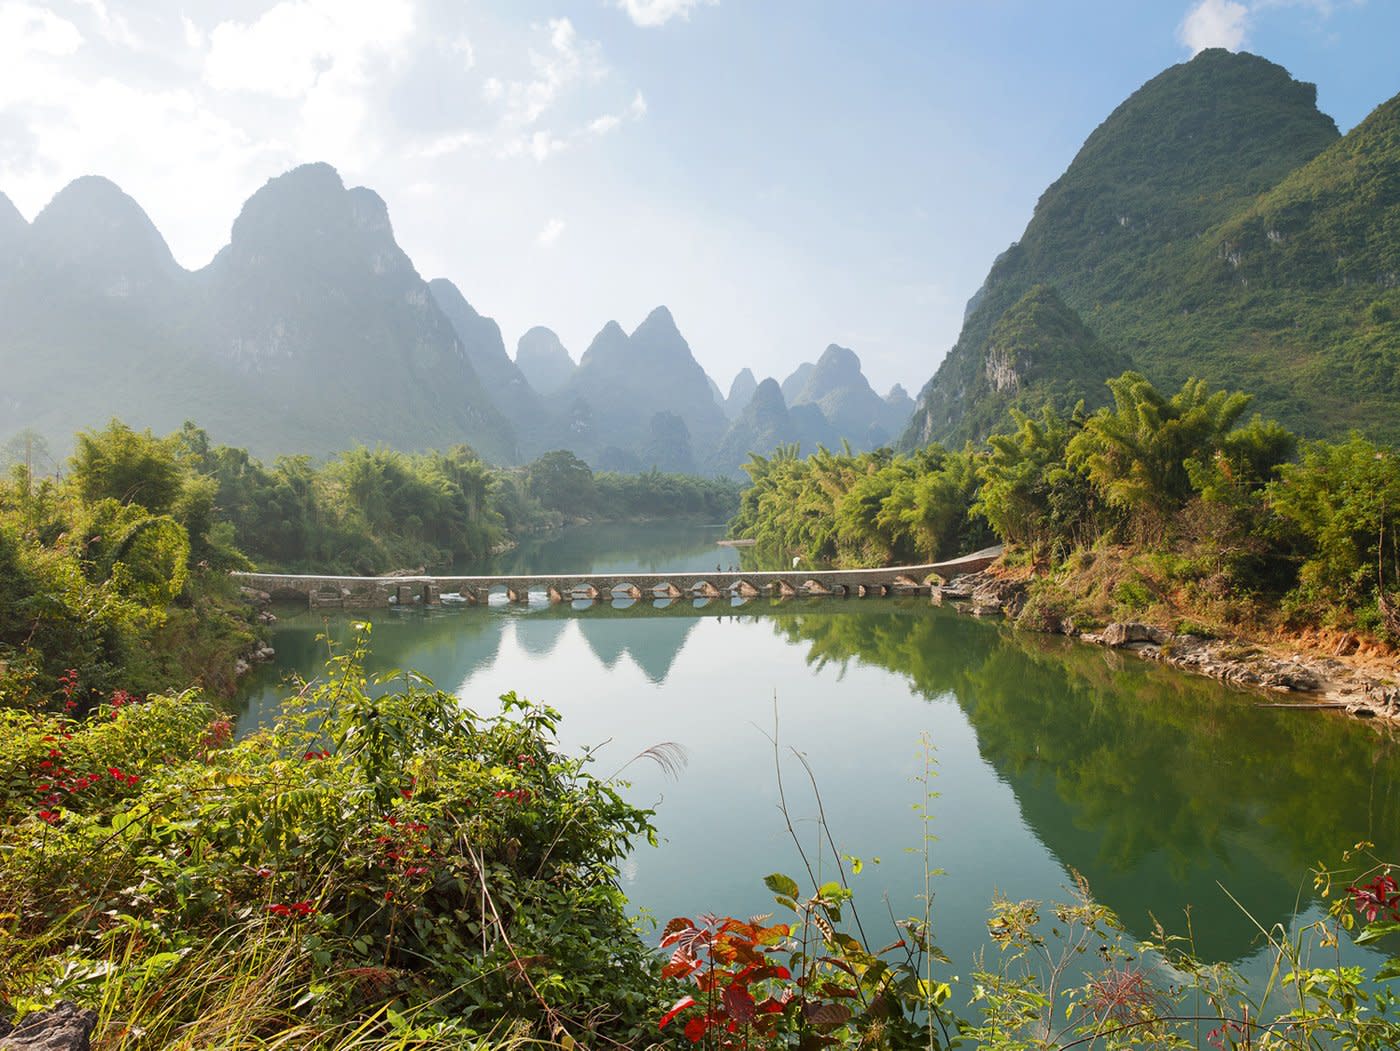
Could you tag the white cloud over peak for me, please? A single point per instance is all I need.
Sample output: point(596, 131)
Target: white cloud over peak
point(652, 13)
point(1215, 23)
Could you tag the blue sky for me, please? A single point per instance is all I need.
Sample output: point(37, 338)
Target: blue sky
point(781, 173)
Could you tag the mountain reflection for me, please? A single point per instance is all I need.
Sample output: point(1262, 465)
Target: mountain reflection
point(1155, 785)
point(1159, 787)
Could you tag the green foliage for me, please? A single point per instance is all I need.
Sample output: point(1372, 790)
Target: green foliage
point(871, 508)
point(1344, 501)
point(1029, 494)
point(391, 849)
point(1137, 454)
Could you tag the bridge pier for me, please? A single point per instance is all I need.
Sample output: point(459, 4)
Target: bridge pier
point(555, 595)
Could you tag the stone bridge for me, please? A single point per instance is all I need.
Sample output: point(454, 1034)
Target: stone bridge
point(332, 592)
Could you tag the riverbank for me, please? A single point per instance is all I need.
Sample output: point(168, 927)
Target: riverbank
point(1359, 679)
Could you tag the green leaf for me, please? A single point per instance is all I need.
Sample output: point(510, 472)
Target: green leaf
point(1389, 970)
point(780, 884)
point(1376, 931)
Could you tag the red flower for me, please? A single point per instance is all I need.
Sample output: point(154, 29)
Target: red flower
point(131, 779)
point(52, 817)
point(116, 774)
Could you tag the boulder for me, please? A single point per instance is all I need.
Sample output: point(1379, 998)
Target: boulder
point(62, 1027)
point(1127, 633)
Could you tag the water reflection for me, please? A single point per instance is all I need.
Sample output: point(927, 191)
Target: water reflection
point(1157, 786)
point(1160, 788)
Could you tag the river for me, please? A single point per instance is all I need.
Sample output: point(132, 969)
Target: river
point(1051, 757)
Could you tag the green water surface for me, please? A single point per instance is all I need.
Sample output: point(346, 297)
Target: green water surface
point(1166, 791)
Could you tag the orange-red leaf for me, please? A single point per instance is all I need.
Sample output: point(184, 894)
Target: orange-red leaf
point(676, 1008)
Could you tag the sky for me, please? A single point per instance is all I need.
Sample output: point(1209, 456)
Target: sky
point(782, 174)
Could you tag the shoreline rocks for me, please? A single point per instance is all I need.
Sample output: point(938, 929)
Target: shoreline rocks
point(1327, 682)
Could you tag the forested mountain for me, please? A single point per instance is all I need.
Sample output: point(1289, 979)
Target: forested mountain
point(1214, 225)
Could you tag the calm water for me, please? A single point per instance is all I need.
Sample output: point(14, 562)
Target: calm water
point(1051, 756)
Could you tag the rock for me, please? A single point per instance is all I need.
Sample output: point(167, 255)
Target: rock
point(267, 617)
point(256, 597)
point(264, 653)
point(62, 1027)
point(1127, 633)
point(994, 595)
point(241, 668)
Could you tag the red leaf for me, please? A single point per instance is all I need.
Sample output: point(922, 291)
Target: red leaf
point(827, 1014)
point(675, 926)
point(695, 1029)
point(738, 1004)
point(679, 968)
point(676, 1008)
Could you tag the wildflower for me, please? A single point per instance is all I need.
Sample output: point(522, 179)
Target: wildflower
point(51, 817)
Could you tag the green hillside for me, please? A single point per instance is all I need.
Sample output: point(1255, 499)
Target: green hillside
point(1215, 226)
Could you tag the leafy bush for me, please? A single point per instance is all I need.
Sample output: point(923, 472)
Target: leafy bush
point(385, 850)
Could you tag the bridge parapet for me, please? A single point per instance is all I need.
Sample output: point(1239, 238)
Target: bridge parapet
point(353, 593)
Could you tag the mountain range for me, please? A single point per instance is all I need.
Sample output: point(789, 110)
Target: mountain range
point(311, 331)
point(1215, 225)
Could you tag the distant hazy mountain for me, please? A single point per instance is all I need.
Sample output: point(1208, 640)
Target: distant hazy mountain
point(900, 403)
point(509, 389)
point(623, 382)
point(93, 318)
point(852, 409)
point(308, 332)
point(543, 360)
point(314, 298)
point(792, 386)
point(741, 391)
point(761, 427)
point(1216, 226)
point(311, 331)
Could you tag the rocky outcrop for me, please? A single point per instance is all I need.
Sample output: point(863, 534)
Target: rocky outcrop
point(62, 1027)
point(1326, 682)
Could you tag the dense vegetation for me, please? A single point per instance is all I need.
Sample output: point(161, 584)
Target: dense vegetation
point(378, 866)
point(1213, 226)
point(1177, 500)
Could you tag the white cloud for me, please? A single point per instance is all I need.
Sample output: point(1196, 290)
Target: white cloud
point(194, 36)
point(651, 13)
point(325, 55)
point(604, 124)
point(550, 233)
point(567, 62)
point(444, 145)
point(609, 122)
point(541, 145)
point(28, 32)
point(463, 46)
point(1215, 23)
